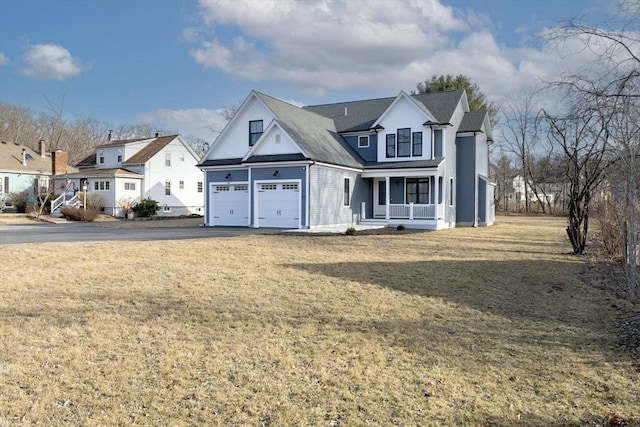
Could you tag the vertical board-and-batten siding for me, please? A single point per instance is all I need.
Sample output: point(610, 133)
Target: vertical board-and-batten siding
point(285, 173)
point(404, 115)
point(327, 196)
point(236, 139)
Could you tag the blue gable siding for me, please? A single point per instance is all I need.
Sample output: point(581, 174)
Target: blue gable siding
point(284, 173)
point(369, 154)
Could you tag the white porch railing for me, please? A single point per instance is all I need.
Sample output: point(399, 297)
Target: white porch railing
point(415, 211)
point(63, 199)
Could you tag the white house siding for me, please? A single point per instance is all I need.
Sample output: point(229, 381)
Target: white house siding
point(274, 144)
point(181, 201)
point(326, 198)
point(236, 138)
point(404, 115)
point(111, 154)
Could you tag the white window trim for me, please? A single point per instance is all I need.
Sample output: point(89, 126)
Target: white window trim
point(363, 146)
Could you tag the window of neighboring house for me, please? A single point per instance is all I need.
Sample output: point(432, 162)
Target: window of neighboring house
point(101, 158)
point(130, 186)
point(404, 142)
point(417, 144)
point(363, 141)
point(450, 191)
point(181, 185)
point(346, 192)
point(167, 159)
point(391, 145)
point(200, 187)
point(101, 185)
point(255, 130)
point(119, 156)
point(418, 190)
point(182, 157)
point(167, 188)
point(166, 208)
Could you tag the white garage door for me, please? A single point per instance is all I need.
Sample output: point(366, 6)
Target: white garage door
point(230, 204)
point(279, 205)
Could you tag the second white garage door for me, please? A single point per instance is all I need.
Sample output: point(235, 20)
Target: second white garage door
point(230, 204)
point(279, 204)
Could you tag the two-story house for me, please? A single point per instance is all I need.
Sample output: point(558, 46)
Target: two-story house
point(161, 168)
point(416, 160)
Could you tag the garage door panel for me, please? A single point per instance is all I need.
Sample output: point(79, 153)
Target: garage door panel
point(230, 203)
point(279, 205)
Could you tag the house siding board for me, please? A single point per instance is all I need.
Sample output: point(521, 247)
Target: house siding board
point(327, 196)
point(368, 154)
point(236, 140)
point(284, 174)
point(465, 180)
point(482, 200)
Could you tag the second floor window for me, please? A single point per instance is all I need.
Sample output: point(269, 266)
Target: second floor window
point(101, 157)
point(404, 142)
point(363, 141)
point(181, 185)
point(167, 159)
point(391, 145)
point(167, 188)
point(417, 144)
point(255, 130)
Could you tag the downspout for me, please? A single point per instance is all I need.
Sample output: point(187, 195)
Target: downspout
point(308, 190)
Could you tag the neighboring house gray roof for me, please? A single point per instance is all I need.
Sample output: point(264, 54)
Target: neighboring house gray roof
point(316, 135)
point(419, 164)
point(99, 172)
point(11, 160)
point(150, 150)
point(142, 156)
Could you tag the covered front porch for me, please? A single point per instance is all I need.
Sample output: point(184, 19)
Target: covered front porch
point(415, 200)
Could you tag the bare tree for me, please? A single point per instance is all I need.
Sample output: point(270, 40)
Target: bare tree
point(519, 134)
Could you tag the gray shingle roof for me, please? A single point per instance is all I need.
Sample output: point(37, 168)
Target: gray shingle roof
point(315, 134)
point(361, 115)
point(419, 164)
point(473, 121)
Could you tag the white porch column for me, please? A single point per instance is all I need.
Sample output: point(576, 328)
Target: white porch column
point(387, 197)
point(436, 200)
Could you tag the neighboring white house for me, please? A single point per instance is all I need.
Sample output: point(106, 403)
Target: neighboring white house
point(161, 168)
point(21, 168)
point(417, 160)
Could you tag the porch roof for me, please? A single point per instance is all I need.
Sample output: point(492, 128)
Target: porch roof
point(411, 168)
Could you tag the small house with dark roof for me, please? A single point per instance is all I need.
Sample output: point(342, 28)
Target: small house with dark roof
point(125, 171)
point(417, 160)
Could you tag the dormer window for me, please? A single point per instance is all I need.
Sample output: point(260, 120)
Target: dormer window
point(255, 130)
point(119, 156)
point(363, 141)
point(101, 157)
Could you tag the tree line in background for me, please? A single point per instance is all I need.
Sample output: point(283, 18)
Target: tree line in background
point(78, 138)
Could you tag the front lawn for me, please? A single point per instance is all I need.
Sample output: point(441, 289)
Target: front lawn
point(487, 326)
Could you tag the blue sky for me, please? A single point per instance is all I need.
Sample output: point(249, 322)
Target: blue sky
point(176, 63)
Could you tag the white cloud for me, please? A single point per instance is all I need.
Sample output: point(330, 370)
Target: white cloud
point(319, 45)
point(199, 122)
point(50, 62)
point(3, 59)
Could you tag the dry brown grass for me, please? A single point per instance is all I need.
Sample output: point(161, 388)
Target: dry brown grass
point(459, 327)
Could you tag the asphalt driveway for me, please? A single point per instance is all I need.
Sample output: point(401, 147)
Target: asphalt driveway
point(85, 232)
